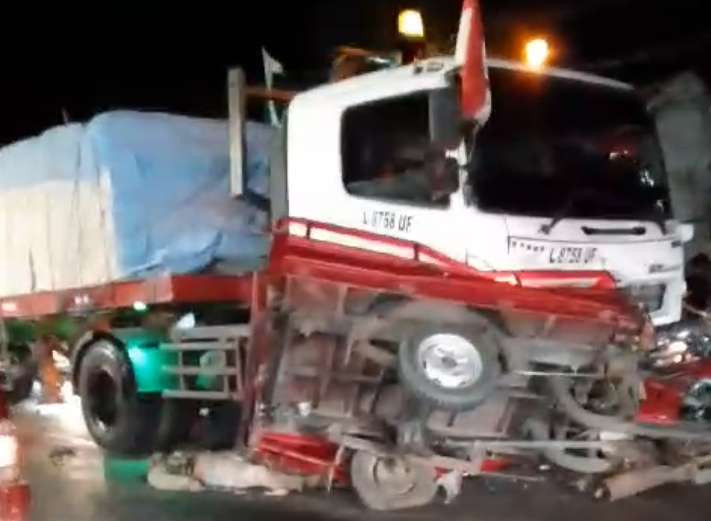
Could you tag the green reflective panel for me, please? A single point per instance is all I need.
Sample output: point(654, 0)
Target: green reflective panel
point(148, 361)
point(21, 331)
point(125, 470)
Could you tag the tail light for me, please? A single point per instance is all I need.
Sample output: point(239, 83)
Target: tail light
point(9, 450)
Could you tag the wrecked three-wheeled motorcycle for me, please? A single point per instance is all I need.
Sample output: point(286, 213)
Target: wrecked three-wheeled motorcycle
point(402, 397)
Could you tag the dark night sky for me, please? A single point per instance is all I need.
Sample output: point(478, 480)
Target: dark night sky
point(149, 60)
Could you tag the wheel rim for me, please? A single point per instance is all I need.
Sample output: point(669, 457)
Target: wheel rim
point(451, 361)
point(103, 398)
point(393, 476)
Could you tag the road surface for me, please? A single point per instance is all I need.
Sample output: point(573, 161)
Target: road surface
point(71, 487)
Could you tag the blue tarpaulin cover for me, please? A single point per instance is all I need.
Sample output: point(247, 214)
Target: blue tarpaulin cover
point(127, 195)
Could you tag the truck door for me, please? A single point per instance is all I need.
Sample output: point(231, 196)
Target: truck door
point(400, 180)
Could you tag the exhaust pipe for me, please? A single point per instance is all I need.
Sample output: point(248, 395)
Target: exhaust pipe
point(636, 481)
point(558, 456)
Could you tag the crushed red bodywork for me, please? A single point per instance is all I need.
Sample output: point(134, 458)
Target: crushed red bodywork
point(304, 455)
point(316, 261)
point(665, 393)
point(327, 252)
point(311, 455)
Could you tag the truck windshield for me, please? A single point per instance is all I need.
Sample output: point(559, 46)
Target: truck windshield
point(556, 146)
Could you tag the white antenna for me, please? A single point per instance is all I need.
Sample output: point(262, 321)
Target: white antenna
point(236, 87)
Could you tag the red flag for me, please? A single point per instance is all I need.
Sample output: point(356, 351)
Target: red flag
point(471, 55)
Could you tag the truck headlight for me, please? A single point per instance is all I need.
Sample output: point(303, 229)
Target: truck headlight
point(650, 296)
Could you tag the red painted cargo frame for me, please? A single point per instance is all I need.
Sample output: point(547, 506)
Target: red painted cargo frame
point(302, 256)
point(123, 294)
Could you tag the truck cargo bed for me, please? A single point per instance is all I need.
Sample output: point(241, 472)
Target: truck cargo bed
point(126, 196)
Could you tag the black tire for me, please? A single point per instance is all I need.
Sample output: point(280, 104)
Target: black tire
point(419, 488)
point(119, 419)
point(467, 396)
point(23, 373)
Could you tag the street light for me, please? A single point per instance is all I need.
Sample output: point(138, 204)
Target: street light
point(409, 24)
point(536, 53)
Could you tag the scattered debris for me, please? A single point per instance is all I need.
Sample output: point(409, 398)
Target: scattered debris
point(218, 470)
point(164, 476)
point(451, 483)
point(584, 483)
point(58, 455)
point(228, 470)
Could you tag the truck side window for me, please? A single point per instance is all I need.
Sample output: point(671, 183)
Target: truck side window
point(387, 152)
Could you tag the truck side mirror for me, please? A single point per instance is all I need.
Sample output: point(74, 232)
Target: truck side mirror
point(444, 118)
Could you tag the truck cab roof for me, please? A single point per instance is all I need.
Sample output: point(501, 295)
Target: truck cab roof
point(425, 74)
point(570, 74)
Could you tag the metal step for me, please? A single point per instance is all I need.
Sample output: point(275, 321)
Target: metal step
point(202, 395)
point(193, 370)
point(232, 332)
point(197, 346)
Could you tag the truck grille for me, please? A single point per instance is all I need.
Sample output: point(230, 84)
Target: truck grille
point(651, 296)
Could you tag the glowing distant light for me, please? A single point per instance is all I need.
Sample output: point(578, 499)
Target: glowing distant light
point(536, 53)
point(187, 321)
point(409, 24)
point(140, 306)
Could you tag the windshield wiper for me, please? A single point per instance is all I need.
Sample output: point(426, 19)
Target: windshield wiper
point(657, 215)
point(560, 214)
point(635, 230)
point(657, 218)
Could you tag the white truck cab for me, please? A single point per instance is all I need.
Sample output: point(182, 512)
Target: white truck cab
point(565, 181)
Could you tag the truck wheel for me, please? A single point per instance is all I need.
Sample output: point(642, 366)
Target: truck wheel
point(118, 418)
point(453, 367)
point(392, 483)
